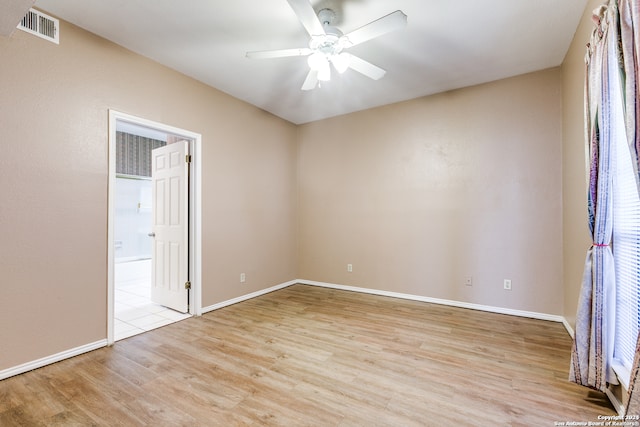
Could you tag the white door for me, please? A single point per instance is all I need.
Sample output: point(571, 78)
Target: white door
point(170, 202)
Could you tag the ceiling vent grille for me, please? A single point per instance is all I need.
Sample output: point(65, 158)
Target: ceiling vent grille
point(41, 25)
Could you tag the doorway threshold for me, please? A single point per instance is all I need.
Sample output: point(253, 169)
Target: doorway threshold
point(135, 313)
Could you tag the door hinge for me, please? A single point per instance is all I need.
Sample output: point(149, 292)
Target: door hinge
point(187, 285)
point(187, 158)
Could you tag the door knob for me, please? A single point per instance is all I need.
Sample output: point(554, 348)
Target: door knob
point(152, 234)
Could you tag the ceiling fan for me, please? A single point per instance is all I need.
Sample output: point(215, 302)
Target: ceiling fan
point(328, 43)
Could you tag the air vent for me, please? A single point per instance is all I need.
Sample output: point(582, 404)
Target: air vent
point(41, 25)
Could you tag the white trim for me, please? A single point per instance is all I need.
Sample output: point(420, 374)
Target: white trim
point(460, 304)
point(500, 310)
point(248, 296)
point(490, 309)
point(568, 327)
point(196, 221)
point(618, 406)
point(29, 366)
point(111, 213)
point(622, 372)
point(195, 233)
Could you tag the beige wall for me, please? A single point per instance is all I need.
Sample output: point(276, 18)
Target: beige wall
point(575, 229)
point(417, 195)
point(54, 103)
point(420, 194)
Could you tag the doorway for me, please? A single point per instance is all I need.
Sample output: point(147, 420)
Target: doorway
point(134, 260)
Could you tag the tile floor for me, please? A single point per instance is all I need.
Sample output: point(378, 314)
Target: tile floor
point(135, 313)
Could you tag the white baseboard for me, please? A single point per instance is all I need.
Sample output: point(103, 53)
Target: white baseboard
point(460, 304)
point(619, 407)
point(568, 327)
point(29, 366)
point(248, 296)
point(103, 343)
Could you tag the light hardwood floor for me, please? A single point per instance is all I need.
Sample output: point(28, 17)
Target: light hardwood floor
point(309, 356)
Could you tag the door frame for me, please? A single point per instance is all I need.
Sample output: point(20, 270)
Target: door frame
point(195, 213)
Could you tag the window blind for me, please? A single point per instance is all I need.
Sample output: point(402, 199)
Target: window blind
point(626, 253)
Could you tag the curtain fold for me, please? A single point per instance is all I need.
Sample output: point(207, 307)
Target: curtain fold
point(592, 348)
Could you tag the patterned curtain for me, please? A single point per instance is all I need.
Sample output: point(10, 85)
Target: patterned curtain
point(630, 43)
point(593, 344)
point(133, 153)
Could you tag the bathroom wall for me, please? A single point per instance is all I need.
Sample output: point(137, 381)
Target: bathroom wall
point(133, 219)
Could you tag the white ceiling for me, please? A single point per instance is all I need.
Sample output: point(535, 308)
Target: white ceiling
point(446, 45)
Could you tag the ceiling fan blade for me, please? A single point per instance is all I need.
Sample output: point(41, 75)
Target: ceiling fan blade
point(282, 53)
point(391, 22)
point(307, 16)
point(367, 68)
point(311, 81)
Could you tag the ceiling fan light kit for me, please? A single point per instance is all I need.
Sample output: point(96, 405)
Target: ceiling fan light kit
point(328, 42)
point(320, 63)
point(341, 61)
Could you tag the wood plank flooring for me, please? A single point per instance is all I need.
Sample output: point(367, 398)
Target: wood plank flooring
point(309, 356)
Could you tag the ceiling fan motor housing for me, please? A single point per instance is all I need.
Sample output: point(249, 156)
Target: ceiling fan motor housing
point(326, 16)
point(332, 42)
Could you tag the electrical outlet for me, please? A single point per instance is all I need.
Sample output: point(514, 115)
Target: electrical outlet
point(507, 284)
point(243, 277)
point(468, 281)
point(350, 268)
